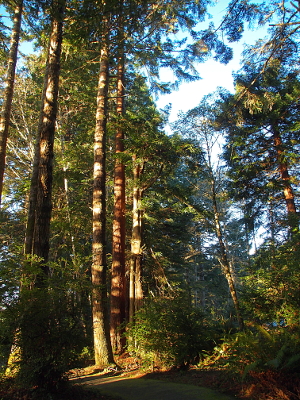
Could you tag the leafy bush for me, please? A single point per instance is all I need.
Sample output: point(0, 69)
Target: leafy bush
point(51, 337)
point(260, 349)
point(170, 331)
point(271, 286)
point(48, 335)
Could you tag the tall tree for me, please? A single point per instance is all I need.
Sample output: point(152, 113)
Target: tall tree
point(102, 343)
point(263, 130)
point(199, 123)
point(118, 282)
point(35, 341)
point(144, 141)
point(40, 245)
point(135, 274)
point(9, 87)
point(139, 28)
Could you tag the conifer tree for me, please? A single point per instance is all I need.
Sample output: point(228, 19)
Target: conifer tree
point(39, 214)
point(8, 93)
point(263, 133)
point(118, 283)
point(102, 343)
point(35, 342)
point(199, 123)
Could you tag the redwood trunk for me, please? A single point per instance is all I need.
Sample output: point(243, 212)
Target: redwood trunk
point(102, 345)
point(118, 245)
point(9, 88)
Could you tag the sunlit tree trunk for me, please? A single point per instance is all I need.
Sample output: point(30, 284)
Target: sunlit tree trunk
point(39, 207)
point(102, 344)
point(9, 88)
point(135, 281)
point(40, 245)
point(118, 241)
point(35, 341)
point(285, 178)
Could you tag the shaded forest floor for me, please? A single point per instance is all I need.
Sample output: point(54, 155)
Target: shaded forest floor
point(264, 385)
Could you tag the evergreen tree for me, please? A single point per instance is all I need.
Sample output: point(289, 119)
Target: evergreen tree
point(262, 137)
point(199, 123)
point(35, 346)
point(102, 344)
point(9, 89)
point(118, 284)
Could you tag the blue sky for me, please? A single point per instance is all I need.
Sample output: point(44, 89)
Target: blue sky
point(213, 73)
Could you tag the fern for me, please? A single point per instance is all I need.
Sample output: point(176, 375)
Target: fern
point(293, 362)
point(251, 367)
point(277, 362)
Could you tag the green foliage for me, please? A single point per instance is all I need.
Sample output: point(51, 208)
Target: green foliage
point(262, 142)
point(170, 331)
point(46, 329)
point(259, 348)
point(50, 338)
point(271, 287)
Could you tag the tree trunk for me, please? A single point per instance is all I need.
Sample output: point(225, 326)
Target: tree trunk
point(33, 190)
point(35, 341)
point(118, 241)
point(225, 262)
point(40, 206)
point(9, 88)
point(285, 178)
point(135, 285)
point(102, 344)
point(43, 207)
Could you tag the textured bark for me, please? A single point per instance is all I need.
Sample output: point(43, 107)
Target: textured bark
point(35, 326)
point(285, 178)
point(118, 241)
point(9, 88)
point(40, 245)
point(102, 345)
point(33, 188)
point(135, 283)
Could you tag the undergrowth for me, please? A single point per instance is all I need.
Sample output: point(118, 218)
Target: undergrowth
point(267, 361)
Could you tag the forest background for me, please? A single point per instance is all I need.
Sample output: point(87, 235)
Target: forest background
point(117, 237)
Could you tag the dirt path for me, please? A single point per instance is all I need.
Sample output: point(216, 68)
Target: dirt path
point(130, 388)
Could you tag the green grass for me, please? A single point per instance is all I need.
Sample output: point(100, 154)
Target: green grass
point(8, 391)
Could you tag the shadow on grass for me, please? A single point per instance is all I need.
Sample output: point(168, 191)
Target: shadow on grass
point(163, 385)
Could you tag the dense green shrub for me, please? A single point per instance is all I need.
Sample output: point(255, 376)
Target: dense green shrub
point(170, 331)
point(271, 287)
point(50, 337)
point(46, 331)
point(259, 349)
